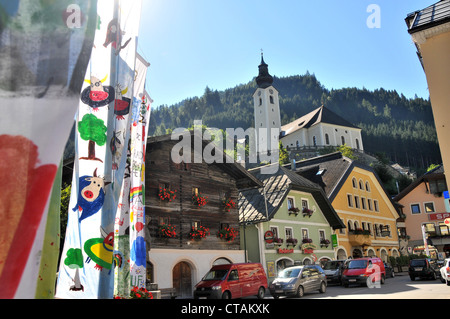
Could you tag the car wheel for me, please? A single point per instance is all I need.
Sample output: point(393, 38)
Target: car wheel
point(261, 293)
point(442, 279)
point(412, 278)
point(226, 295)
point(448, 283)
point(434, 277)
point(300, 291)
point(276, 297)
point(323, 288)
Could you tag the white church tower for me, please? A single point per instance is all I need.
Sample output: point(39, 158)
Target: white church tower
point(267, 111)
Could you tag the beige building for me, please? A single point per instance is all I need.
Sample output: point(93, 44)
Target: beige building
point(430, 31)
point(423, 204)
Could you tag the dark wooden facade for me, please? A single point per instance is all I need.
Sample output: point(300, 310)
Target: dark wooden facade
point(215, 181)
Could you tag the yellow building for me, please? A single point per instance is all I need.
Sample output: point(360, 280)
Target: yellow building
point(430, 31)
point(357, 195)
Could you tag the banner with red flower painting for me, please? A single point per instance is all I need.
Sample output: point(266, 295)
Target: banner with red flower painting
point(102, 135)
point(44, 50)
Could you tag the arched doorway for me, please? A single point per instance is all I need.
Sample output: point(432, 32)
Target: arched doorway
point(341, 254)
point(384, 255)
point(357, 253)
point(222, 261)
point(371, 253)
point(283, 263)
point(182, 279)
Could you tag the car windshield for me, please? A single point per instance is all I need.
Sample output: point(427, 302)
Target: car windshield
point(357, 264)
point(331, 265)
point(289, 273)
point(218, 274)
point(418, 262)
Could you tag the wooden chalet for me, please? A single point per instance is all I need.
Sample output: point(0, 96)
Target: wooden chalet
point(186, 211)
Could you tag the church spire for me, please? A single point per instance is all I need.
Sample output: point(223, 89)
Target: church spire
point(264, 79)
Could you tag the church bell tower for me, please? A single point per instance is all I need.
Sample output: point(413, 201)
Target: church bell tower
point(267, 111)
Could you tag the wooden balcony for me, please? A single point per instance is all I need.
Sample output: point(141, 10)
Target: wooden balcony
point(359, 238)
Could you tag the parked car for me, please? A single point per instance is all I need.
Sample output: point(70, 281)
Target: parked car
point(298, 280)
point(232, 281)
point(333, 270)
point(389, 270)
point(365, 271)
point(445, 272)
point(423, 268)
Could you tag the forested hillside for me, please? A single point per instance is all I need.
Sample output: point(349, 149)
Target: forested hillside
point(401, 128)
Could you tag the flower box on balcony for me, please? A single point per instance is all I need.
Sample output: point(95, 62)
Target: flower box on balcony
point(198, 233)
point(228, 234)
point(165, 194)
point(228, 204)
point(324, 243)
point(307, 212)
point(293, 210)
point(278, 241)
point(291, 241)
point(199, 200)
point(167, 231)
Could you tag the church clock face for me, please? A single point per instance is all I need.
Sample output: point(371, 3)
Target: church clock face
point(271, 91)
point(259, 93)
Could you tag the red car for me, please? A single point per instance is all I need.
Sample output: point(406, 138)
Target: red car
point(366, 271)
point(232, 281)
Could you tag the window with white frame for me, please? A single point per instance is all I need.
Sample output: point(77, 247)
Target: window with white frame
point(305, 233)
point(350, 200)
point(357, 201)
point(363, 203)
point(274, 230)
point(321, 235)
point(375, 205)
point(288, 232)
point(429, 207)
point(290, 202)
point(415, 209)
point(304, 203)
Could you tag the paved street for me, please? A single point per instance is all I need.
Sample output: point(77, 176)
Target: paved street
point(400, 287)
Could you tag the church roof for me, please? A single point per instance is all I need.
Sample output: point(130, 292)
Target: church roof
point(319, 115)
point(264, 79)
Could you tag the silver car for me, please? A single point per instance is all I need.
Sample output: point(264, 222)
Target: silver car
point(297, 280)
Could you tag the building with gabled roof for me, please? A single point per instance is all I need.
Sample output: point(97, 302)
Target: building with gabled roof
point(359, 198)
point(277, 220)
point(424, 204)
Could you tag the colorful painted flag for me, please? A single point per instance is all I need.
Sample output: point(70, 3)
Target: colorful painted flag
point(103, 121)
point(129, 244)
point(44, 50)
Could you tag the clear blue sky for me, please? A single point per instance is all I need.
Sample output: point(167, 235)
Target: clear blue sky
point(192, 44)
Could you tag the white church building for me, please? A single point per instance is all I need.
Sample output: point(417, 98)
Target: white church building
point(306, 135)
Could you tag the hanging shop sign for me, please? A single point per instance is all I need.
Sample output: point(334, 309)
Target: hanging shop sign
point(268, 237)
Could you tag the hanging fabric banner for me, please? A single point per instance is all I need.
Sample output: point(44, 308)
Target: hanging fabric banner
point(129, 226)
point(44, 50)
point(103, 122)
